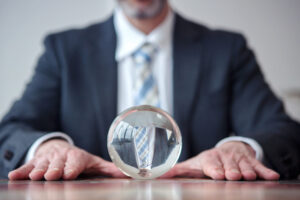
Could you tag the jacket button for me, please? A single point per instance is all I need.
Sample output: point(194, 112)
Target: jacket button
point(8, 155)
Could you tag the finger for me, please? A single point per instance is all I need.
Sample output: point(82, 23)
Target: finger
point(171, 173)
point(55, 170)
point(184, 169)
point(264, 172)
point(39, 170)
point(247, 170)
point(99, 166)
point(109, 168)
point(212, 166)
point(22, 172)
point(232, 171)
point(75, 164)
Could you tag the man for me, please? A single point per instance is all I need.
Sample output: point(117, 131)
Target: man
point(208, 80)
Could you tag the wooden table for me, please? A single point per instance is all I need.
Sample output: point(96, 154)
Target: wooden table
point(115, 189)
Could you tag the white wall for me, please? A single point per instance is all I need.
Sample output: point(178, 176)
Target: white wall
point(271, 26)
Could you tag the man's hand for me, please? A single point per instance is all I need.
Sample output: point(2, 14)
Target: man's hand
point(231, 161)
point(57, 159)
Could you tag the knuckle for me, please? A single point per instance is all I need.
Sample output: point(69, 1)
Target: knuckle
point(224, 153)
point(230, 156)
point(32, 161)
point(243, 159)
point(76, 153)
point(217, 168)
point(254, 161)
point(72, 152)
point(213, 153)
point(204, 153)
point(41, 165)
point(38, 157)
point(227, 157)
point(58, 155)
point(22, 168)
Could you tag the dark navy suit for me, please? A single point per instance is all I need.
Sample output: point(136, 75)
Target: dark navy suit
point(218, 90)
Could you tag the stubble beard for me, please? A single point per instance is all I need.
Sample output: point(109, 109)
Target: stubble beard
point(151, 11)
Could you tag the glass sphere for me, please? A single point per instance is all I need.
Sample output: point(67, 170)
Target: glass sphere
point(144, 142)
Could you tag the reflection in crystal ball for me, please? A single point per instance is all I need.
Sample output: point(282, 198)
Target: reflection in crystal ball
point(144, 142)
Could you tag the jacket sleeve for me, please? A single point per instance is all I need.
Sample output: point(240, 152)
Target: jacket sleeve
point(257, 113)
point(34, 114)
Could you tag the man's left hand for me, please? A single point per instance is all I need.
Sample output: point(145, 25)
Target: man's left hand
point(230, 161)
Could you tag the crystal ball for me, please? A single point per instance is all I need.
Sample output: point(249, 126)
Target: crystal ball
point(144, 142)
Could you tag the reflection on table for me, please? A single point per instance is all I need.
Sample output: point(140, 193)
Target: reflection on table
point(148, 189)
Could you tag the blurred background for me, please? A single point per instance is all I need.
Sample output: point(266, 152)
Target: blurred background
point(271, 26)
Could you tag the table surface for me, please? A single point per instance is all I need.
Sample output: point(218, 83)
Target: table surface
point(105, 188)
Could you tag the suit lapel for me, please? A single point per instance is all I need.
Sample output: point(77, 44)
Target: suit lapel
point(187, 52)
point(104, 79)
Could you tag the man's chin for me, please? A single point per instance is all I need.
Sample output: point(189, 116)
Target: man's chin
point(143, 9)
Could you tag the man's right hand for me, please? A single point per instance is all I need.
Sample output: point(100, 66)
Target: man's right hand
point(56, 159)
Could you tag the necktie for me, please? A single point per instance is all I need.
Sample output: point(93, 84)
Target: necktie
point(144, 146)
point(145, 86)
point(143, 139)
point(145, 93)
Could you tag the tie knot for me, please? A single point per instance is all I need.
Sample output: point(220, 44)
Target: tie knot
point(145, 53)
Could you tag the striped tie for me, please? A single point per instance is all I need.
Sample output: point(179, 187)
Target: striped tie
point(143, 139)
point(144, 146)
point(145, 93)
point(145, 86)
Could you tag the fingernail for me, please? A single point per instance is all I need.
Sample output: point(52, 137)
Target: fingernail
point(235, 171)
point(10, 173)
point(38, 170)
point(69, 171)
point(275, 173)
point(55, 169)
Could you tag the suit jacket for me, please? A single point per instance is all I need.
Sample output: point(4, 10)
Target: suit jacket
point(218, 90)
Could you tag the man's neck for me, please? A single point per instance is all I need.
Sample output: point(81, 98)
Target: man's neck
point(148, 25)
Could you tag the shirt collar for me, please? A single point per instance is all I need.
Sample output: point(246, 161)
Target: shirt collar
point(129, 38)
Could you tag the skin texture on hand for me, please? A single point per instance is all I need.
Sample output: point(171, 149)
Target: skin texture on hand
point(56, 159)
point(230, 161)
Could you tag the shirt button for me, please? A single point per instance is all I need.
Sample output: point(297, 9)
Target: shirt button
point(8, 155)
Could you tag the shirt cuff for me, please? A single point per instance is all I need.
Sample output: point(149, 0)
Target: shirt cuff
point(38, 142)
point(252, 143)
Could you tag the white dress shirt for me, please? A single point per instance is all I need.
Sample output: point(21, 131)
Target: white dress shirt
point(130, 39)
